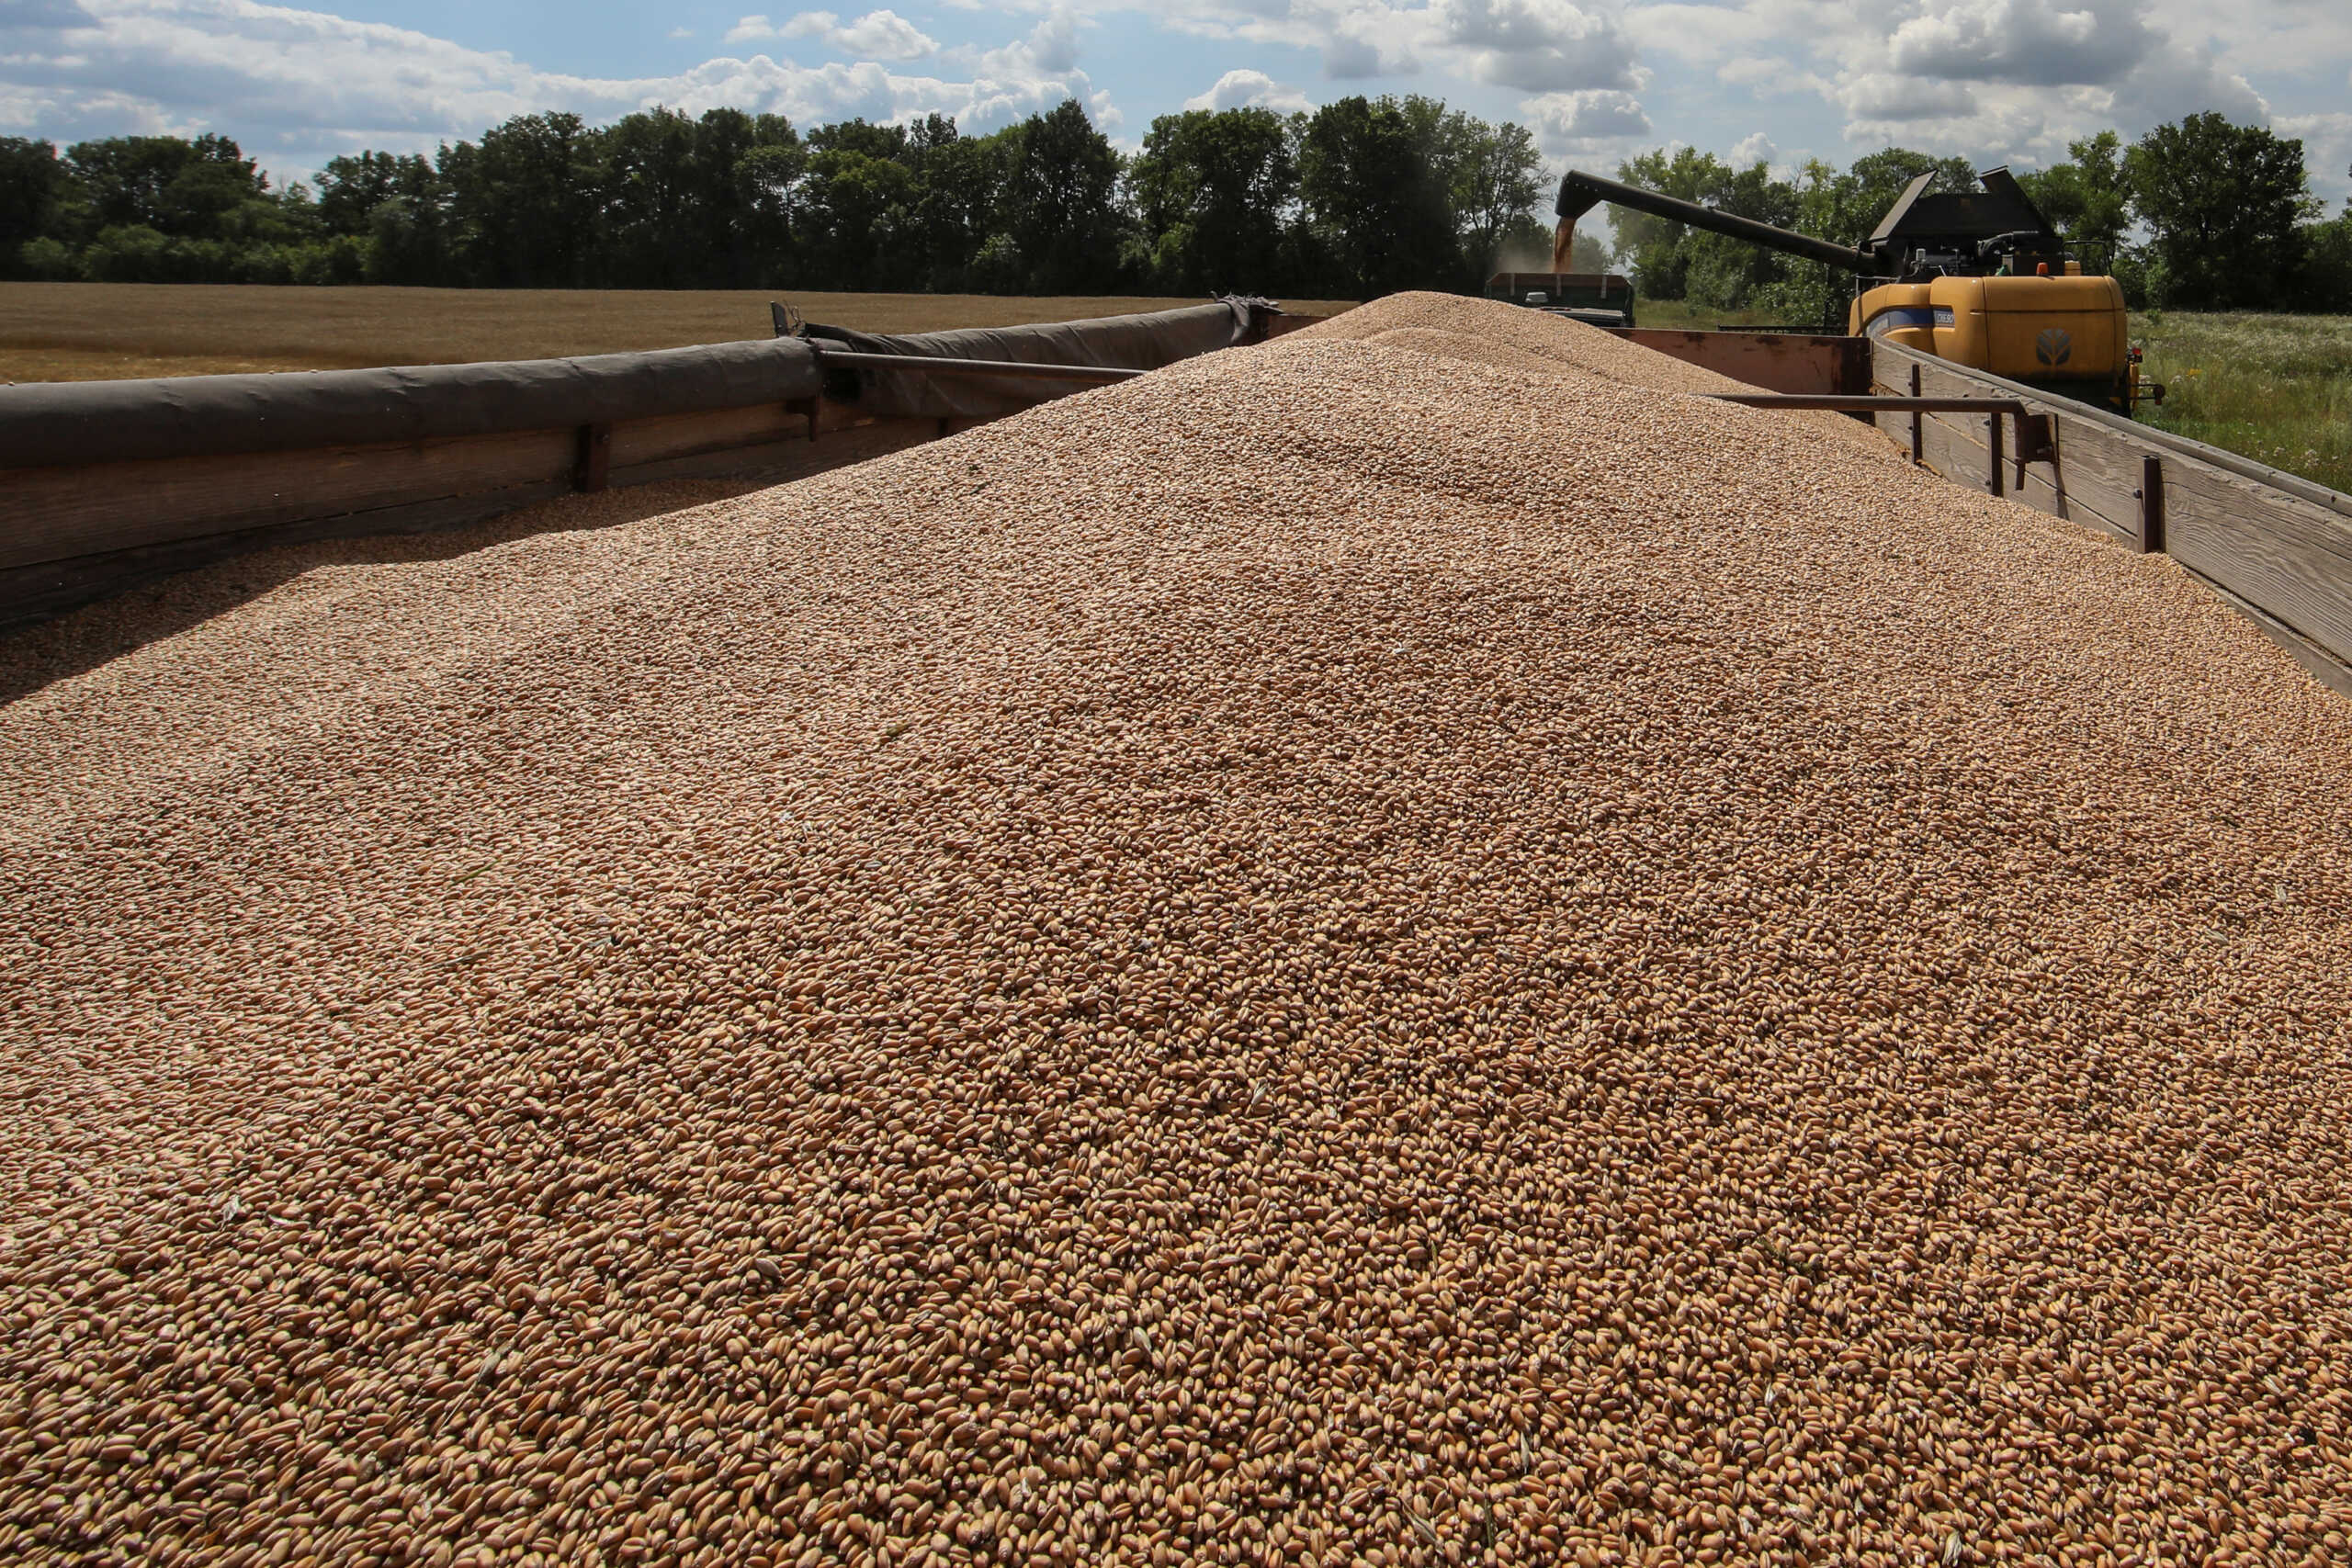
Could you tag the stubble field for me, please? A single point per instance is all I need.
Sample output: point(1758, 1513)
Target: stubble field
point(97, 331)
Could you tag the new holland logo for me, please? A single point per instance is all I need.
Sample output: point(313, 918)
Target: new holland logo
point(2054, 346)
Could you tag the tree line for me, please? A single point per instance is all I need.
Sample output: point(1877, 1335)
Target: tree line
point(1360, 197)
point(2201, 214)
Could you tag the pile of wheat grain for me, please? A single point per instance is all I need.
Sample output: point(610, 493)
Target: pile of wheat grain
point(1328, 955)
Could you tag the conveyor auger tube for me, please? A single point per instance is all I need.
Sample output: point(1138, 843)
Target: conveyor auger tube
point(1580, 193)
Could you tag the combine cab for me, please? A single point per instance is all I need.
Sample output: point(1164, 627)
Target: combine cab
point(1980, 278)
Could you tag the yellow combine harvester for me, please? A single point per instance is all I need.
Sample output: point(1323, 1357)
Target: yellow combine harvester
point(1980, 279)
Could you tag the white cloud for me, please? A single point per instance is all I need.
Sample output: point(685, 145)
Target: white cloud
point(2327, 150)
point(1699, 35)
point(1586, 122)
point(1542, 46)
point(1248, 89)
point(43, 16)
point(1995, 78)
point(681, 32)
point(1754, 148)
point(1353, 53)
point(300, 86)
point(878, 35)
point(2029, 42)
point(1883, 99)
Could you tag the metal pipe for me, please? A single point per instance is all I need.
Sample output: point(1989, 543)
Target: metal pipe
point(1871, 403)
point(1580, 193)
point(933, 365)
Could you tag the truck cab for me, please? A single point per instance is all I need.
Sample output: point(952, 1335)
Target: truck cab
point(1596, 298)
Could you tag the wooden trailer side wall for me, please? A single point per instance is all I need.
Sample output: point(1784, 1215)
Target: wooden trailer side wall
point(82, 530)
point(221, 466)
point(1772, 361)
point(2282, 554)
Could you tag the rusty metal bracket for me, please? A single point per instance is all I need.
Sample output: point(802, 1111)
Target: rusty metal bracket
point(1918, 427)
point(2037, 443)
point(807, 408)
point(592, 457)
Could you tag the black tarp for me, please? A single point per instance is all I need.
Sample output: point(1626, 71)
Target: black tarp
point(1129, 343)
point(44, 423)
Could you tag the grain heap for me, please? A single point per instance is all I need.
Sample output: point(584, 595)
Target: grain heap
point(1331, 954)
point(1487, 332)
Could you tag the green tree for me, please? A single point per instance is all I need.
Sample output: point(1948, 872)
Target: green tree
point(2325, 283)
point(1726, 274)
point(1212, 191)
point(855, 219)
point(1845, 206)
point(1378, 210)
point(1656, 248)
point(724, 225)
point(2223, 203)
point(1498, 181)
point(352, 188)
point(30, 182)
point(406, 227)
point(962, 183)
point(733, 213)
point(1059, 204)
point(887, 142)
point(173, 186)
point(650, 206)
point(2087, 199)
point(522, 203)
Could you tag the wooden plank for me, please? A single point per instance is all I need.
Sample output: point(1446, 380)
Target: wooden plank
point(2288, 558)
point(2283, 556)
point(781, 462)
point(1773, 361)
point(2137, 435)
point(637, 442)
point(1952, 445)
point(30, 591)
point(2095, 482)
point(58, 513)
point(48, 588)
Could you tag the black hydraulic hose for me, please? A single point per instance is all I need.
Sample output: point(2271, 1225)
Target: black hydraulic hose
point(1580, 193)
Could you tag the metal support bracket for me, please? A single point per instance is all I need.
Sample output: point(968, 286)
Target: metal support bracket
point(2152, 506)
point(1918, 427)
point(2037, 439)
point(592, 457)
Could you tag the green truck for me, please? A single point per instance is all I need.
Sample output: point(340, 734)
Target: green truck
point(1597, 298)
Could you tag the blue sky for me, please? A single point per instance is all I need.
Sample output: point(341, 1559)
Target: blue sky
point(1777, 79)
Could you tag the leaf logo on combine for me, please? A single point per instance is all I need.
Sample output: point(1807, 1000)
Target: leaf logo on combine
point(2054, 346)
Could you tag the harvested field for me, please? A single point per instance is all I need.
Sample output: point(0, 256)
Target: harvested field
point(98, 331)
point(1330, 955)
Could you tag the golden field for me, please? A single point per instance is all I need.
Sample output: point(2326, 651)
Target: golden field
point(95, 331)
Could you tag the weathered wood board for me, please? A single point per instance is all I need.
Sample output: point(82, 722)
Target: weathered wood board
point(57, 513)
point(2280, 549)
point(78, 532)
